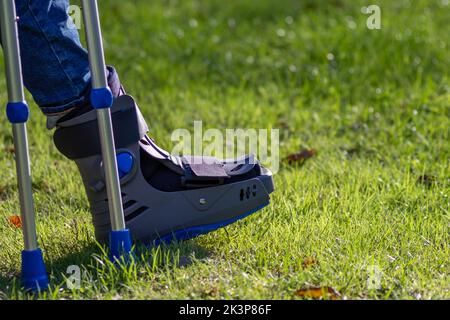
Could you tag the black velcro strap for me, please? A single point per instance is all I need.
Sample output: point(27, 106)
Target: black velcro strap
point(202, 167)
point(191, 180)
point(82, 140)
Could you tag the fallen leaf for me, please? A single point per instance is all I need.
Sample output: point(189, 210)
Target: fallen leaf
point(283, 124)
point(16, 221)
point(427, 180)
point(309, 262)
point(2, 190)
point(10, 149)
point(318, 293)
point(212, 292)
point(351, 151)
point(301, 156)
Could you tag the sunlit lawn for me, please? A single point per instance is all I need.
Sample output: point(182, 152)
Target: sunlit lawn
point(368, 215)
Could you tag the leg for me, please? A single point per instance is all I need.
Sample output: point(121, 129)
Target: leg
point(55, 65)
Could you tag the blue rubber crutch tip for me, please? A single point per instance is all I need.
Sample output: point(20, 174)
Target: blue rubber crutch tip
point(120, 245)
point(34, 275)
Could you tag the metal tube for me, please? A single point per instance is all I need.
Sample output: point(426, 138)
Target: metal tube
point(110, 166)
point(99, 80)
point(14, 82)
point(95, 43)
point(25, 189)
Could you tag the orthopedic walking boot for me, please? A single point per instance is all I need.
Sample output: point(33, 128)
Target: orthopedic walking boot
point(165, 197)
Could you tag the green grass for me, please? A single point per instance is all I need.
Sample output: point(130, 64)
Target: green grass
point(377, 113)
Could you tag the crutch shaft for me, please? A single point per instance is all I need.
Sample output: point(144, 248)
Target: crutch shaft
point(25, 188)
point(110, 167)
point(18, 114)
point(100, 86)
point(95, 44)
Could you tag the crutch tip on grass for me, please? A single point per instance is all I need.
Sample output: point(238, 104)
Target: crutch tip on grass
point(34, 275)
point(120, 245)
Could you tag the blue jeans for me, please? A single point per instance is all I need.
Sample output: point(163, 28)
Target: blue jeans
point(55, 65)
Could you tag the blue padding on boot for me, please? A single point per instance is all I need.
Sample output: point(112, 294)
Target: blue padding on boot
point(125, 162)
point(120, 245)
point(192, 232)
point(17, 112)
point(34, 276)
point(101, 98)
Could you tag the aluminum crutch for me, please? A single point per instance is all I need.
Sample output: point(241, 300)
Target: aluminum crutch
point(34, 276)
point(102, 100)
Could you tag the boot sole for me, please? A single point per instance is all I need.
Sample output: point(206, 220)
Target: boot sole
point(193, 232)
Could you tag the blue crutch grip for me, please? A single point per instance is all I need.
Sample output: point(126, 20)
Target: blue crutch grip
point(34, 275)
point(101, 98)
point(120, 245)
point(17, 112)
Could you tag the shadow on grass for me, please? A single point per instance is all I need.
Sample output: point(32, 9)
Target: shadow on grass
point(10, 286)
point(94, 267)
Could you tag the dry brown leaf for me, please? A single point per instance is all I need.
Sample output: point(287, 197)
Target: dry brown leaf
point(212, 292)
point(300, 157)
point(427, 180)
point(309, 262)
point(283, 124)
point(318, 293)
point(10, 149)
point(3, 192)
point(16, 221)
